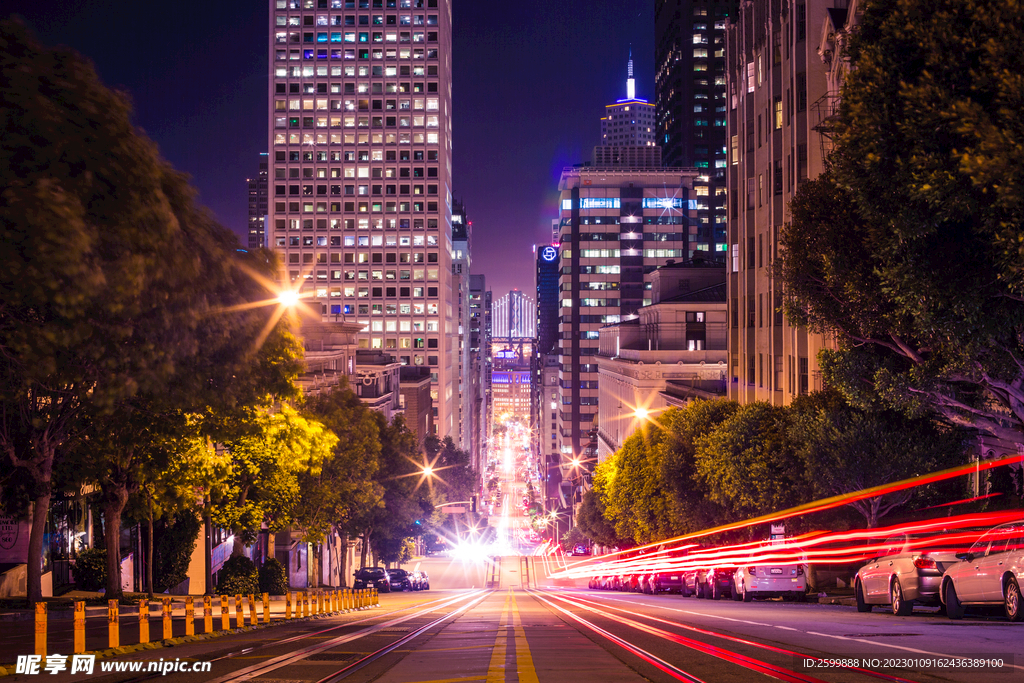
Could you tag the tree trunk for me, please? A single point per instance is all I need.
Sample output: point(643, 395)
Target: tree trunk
point(149, 547)
point(271, 542)
point(34, 568)
point(343, 561)
point(208, 547)
point(364, 548)
point(112, 509)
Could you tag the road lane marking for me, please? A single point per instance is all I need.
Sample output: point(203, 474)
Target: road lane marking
point(496, 667)
point(524, 660)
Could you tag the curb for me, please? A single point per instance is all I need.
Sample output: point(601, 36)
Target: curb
point(9, 669)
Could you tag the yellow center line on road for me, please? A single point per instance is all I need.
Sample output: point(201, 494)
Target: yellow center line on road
point(496, 668)
point(524, 660)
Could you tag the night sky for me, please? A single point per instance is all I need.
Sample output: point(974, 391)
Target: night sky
point(531, 81)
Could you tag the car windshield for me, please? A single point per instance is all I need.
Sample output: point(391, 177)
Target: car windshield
point(397, 573)
point(370, 573)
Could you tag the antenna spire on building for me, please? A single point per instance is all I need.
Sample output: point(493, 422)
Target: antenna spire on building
point(630, 81)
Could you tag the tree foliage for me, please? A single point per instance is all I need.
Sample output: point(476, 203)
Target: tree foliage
point(910, 248)
point(749, 463)
point(845, 449)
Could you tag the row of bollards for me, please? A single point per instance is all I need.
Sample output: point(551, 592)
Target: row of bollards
point(307, 604)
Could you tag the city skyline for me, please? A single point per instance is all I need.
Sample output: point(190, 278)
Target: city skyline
point(217, 130)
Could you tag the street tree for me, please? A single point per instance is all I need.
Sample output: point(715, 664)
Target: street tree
point(593, 518)
point(749, 463)
point(910, 248)
point(338, 490)
point(636, 497)
point(690, 506)
point(844, 449)
point(112, 276)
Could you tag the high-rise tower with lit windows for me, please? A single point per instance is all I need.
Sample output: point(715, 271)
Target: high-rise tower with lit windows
point(360, 173)
point(690, 85)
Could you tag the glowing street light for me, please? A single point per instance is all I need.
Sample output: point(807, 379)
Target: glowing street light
point(641, 413)
point(288, 298)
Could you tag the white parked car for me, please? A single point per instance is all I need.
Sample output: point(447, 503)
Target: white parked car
point(901, 576)
point(770, 581)
point(990, 573)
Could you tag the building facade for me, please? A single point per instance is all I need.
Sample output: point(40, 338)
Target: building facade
point(257, 186)
point(777, 88)
point(462, 240)
point(480, 348)
point(616, 226)
point(673, 352)
point(360, 164)
point(547, 297)
point(690, 85)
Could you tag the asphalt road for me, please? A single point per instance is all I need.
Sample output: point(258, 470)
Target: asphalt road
point(525, 629)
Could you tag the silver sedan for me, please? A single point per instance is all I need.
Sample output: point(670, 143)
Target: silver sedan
point(901, 576)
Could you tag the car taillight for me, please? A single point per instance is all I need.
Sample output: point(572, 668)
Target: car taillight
point(924, 563)
point(799, 570)
point(752, 570)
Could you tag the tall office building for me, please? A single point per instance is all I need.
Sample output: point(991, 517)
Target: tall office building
point(480, 349)
point(778, 105)
point(690, 85)
point(547, 297)
point(462, 241)
point(360, 140)
point(628, 131)
point(258, 204)
point(616, 226)
point(630, 121)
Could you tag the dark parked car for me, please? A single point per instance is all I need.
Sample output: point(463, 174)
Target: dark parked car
point(373, 577)
point(664, 582)
point(400, 580)
point(716, 584)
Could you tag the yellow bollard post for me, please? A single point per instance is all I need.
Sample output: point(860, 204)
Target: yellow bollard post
point(376, 597)
point(252, 610)
point(239, 612)
point(305, 603)
point(207, 614)
point(41, 629)
point(287, 604)
point(168, 624)
point(320, 602)
point(143, 621)
point(334, 600)
point(347, 599)
point(79, 627)
point(266, 608)
point(362, 599)
point(190, 616)
point(113, 625)
point(225, 614)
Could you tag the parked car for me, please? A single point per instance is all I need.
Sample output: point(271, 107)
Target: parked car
point(664, 582)
point(419, 580)
point(692, 579)
point(990, 573)
point(425, 581)
point(901, 576)
point(400, 580)
point(716, 583)
point(770, 581)
point(373, 577)
point(580, 549)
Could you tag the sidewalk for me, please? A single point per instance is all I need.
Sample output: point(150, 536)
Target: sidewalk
point(18, 626)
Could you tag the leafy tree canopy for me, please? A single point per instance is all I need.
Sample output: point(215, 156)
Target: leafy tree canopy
point(910, 248)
